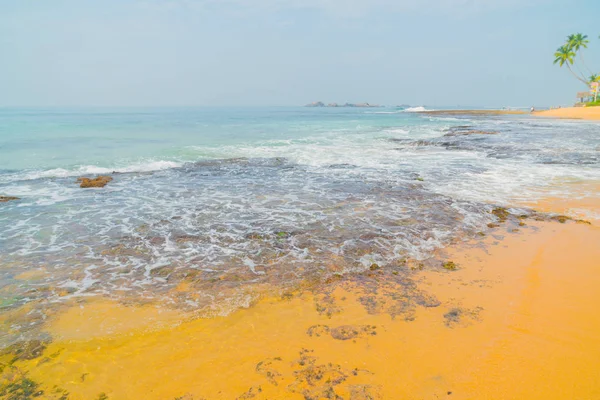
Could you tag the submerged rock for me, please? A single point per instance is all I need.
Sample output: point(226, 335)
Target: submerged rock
point(25, 350)
point(15, 385)
point(99, 181)
point(347, 332)
point(461, 132)
point(458, 316)
point(4, 199)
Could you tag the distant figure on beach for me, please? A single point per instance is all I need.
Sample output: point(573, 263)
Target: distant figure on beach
point(532, 108)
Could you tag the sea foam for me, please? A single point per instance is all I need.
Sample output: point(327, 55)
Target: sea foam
point(416, 109)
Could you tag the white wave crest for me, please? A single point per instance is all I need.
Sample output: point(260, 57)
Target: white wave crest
point(416, 109)
point(92, 170)
point(397, 130)
point(384, 112)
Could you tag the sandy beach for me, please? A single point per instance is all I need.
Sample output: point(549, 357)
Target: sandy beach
point(514, 317)
point(588, 113)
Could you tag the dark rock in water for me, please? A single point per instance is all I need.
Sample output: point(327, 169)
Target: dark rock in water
point(450, 266)
point(502, 213)
point(459, 132)
point(466, 130)
point(4, 199)
point(99, 181)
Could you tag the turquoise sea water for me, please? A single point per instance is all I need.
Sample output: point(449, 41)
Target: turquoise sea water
point(236, 197)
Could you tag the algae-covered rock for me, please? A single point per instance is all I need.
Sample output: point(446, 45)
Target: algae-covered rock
point(450, 266)
point(561, 218)
point(502, 213)
point(25, 350)
point(14, 385)
point(99, 181)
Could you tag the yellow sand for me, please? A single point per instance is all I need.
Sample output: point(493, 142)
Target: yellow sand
point(591, 113)
point(528, 328)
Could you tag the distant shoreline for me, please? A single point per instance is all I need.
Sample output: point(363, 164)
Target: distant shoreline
point(473, 112)
point(583, 113)
point(586, 113)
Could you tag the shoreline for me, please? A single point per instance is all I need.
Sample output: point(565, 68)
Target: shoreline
point(584, 113)
point(578, 113)
point(458, 333)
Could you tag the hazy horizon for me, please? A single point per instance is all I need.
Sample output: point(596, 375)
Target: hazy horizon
point(152, 53)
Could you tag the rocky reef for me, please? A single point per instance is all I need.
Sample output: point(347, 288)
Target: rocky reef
point(465, 130)
point(98, 182)
point(4, 199)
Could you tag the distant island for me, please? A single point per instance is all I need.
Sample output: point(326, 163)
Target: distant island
point(363, 105)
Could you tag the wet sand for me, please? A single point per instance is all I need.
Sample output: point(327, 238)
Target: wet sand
point(583, 202)
point(589, 113)
point(514, 319)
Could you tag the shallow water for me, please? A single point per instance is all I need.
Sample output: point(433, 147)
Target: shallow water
point(228, 201)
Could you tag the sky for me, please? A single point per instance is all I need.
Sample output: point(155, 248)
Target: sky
point(290, 52)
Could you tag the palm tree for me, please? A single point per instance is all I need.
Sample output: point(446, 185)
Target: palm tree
point(577, 42)
point(564, 55)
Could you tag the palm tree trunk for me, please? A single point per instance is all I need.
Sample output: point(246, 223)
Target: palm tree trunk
point(583, 62)
point(577, 76)
point(582, 76)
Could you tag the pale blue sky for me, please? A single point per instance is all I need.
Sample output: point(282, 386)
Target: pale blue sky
point(290, 52)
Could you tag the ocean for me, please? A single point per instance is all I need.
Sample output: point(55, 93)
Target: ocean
point(233, 202)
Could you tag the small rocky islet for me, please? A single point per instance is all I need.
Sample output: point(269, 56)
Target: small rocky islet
point(97, 182)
